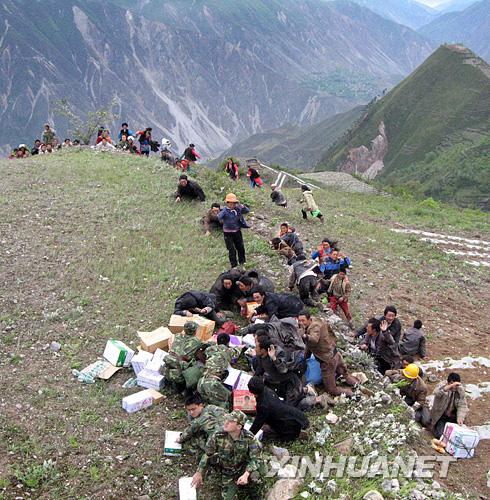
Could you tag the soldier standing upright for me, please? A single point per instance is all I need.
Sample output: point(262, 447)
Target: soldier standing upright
point(235, 453)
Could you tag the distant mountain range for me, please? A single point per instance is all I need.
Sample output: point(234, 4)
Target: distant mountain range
point(429, 134)
point(295, 146)
point(212, 72)
point(470, 27)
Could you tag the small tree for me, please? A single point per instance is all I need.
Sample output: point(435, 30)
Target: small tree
point(84, 129)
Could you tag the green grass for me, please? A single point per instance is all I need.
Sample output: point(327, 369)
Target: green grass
point(118, 253)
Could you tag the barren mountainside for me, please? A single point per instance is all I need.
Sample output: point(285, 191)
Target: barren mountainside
point(208, 72)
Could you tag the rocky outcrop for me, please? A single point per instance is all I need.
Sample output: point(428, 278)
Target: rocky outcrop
point(368, 162)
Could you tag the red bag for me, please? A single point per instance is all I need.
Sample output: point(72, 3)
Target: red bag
point(229, 327)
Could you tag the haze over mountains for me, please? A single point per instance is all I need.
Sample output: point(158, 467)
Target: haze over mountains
point(430, 134)
point(211, 72)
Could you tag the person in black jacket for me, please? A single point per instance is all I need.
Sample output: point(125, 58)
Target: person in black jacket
point(286, 421)
point(287, 233)
point(249, 282)
point(226, 289)
point(280, 305)
point(189, 189)
point(394, 325)
point(195, 302)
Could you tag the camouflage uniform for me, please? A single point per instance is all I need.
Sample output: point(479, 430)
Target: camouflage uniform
point(233, 459)
point(210, 386)
point(182, 354)
point(211, 419)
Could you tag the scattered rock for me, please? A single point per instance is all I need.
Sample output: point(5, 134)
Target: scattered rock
point(373, 495)
point(285, 489)
point(332, 485)
point(55, 346)
point(387, 485)
point(432, 378)
point(168, 461)
point(395, 484)
point(331, 418)
point(386, 399)
point(436, 485)
point(287, 472)
point(440, 331)
point(279, 452)
point(345, 446)
point(361, 377)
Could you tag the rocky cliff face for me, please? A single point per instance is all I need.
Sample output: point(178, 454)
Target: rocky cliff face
point(368, 161)
point(217, 75)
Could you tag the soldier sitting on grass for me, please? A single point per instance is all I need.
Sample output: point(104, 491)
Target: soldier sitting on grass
point(235, 454)
point(205, 421)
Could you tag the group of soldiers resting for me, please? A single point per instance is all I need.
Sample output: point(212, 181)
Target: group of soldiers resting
point(285, 336)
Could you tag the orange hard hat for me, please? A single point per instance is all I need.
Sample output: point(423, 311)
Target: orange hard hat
point(231, 198)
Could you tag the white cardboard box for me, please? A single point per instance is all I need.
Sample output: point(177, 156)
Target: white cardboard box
point(171, 446)
point(232, 379)
point(155, 366)
point(186, 491)
point(137, 401)
point(242, 384)
point(150, 380)
point(118, 353)
point(140, 361)
point(160, 355)
point(460, 440)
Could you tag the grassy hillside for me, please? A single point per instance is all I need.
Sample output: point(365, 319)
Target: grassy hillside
point(444, 104)
point(92, 249)
point(295, 146)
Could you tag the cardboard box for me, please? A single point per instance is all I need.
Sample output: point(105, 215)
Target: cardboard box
point(137, 401)
point(150, 380)
point(245, 401)
point(186, 491)
point(140, 361)
point(251, 306)
point(155, 366)
point(232, 379)
point(171, 446)
point(160, 355)
point(206, 327)
point(243, 381)
point(157, 339)
point(101, 369)
point(157, 396)
point(176, 323)
point(204, 332)
point(118, 353)
point(460, 440)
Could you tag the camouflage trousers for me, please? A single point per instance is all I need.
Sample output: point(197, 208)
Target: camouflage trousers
point(198, 442)
point(213, 392)
point(254, 490)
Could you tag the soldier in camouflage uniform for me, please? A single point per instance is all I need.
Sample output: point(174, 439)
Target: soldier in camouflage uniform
point(236, 454)
point(182, 354)
point(206, 420)
point(218, 359)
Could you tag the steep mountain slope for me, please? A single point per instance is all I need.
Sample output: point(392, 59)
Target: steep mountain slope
point(470, 27)
point(454, 6)
point(295, 146)
point(213, 72)
point(444, 104)
point(406, 12)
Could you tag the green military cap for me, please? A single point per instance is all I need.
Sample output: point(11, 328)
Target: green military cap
point(237, 416)
point(190, 328)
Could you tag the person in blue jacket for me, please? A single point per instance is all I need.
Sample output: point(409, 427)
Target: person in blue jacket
point(232, 219)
